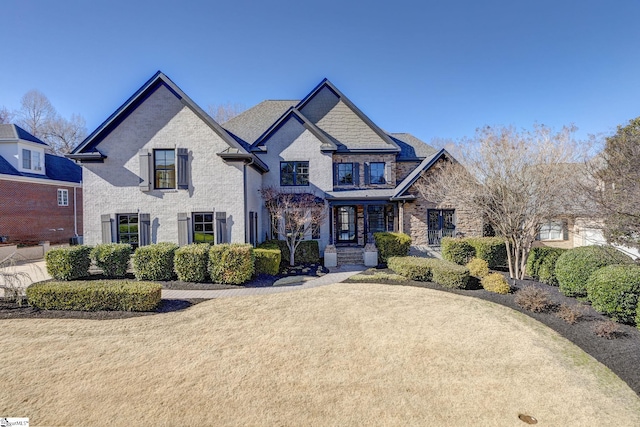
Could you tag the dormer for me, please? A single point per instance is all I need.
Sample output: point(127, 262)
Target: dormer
point(22, 150)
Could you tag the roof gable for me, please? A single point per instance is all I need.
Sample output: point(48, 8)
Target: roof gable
point(332, 112)
point(425, 165)
point(254, 122)
point(14, 133)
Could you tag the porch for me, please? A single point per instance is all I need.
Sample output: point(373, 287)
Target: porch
point(352, 223)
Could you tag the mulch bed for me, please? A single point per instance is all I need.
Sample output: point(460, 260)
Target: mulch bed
point(621, 354)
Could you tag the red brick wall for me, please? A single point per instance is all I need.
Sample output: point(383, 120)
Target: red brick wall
point(29, 212)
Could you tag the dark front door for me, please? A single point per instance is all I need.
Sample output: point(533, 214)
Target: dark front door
point(346, 224)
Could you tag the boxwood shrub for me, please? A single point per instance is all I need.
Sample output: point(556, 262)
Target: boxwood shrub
point(154, 262)
point(391, 245)
point(112, 258)
point(450, 275)
point(190, 262)
point(495, 282)
point(413, 268)
point(491, 249)
point(231, 263)
point(124, 295)
point(613, 290)
point(68, 263)
point(574, 266)
point(541, 264)
point(478, 267)
point(457, 250)
point(267, 261)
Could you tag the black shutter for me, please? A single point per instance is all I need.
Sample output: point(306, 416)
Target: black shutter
point(565, 230)
point(183, 168)
point(252, 228)
point(335, 174)
point(367, 174)
point(145, 177)
point(106, 228)
point(356, 174)
point(183, 229)
point(221, 227)
point(144, 230)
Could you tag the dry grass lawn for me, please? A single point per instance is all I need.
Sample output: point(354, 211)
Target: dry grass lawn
point(345, 354)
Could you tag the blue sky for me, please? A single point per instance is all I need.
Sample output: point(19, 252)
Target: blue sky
point(437, 69)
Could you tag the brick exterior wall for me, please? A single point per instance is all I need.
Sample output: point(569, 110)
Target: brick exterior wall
point(388, 159)
point(29, 212)
point(403, 169)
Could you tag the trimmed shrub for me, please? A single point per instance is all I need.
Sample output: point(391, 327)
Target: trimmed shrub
point(607, 329)
point(541, 264)
point(308, 252)
point(574, 266)
point(124, 295)
point(267, 261)
point(614, 291)
point(190, 262)
point(491, 249)
point(413, 268)
point(231, 263)
point(450, 275)
point(570, 314)
point(457, 250)
point(495, 282)
point(533, 299)
point(112, 258)
point(154, 262)
point(68, 263)
point(391, 245)
point(478, 267)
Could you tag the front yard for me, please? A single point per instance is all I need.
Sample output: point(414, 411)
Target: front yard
point(344, 354)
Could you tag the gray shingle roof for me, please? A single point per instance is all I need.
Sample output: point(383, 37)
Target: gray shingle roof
point(57, 168)
point(382, 193)
point(12, 133)
point(252, 123)
point(415, 174)
point(411, 147)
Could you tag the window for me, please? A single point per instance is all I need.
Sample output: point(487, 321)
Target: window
point(554, 230)
point(26, 159)
point(376, 173)
point(128, 229)
point(294, 173)
point(35, 161)
point(315, 230)
point(164, 169)
point(376, 218)
point(63, 197)
point(345, 173)
point(203, 227)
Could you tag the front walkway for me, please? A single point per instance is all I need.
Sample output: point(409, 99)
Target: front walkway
point(335, 275)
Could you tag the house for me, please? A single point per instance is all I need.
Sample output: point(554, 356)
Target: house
point(160, 169)
point(40, 193)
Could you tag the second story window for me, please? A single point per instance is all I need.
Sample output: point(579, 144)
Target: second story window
point(294, 173)
point(26, 159)
point(345, 173)
point(164, 169)
point(376, 173)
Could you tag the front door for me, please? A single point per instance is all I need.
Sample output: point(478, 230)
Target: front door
point(346, 224)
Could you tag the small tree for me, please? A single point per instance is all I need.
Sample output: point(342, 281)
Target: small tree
point(514, 180)
point(294, 215)
point(223, 112)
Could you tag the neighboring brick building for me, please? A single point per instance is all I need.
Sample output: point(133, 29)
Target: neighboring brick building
point(40, 194)
point(160, 169)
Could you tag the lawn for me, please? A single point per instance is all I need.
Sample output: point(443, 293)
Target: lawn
point(344, 354)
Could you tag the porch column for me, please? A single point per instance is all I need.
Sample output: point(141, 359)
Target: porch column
point(330, 223)
point(365, 209)
point(401, 217)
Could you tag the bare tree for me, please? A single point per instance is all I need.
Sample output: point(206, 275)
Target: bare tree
point(294, 215)
point(615, 191)
point(5, 115)
point(515, 180)
point(64, 135)
point(223, 112)
point(35, 113)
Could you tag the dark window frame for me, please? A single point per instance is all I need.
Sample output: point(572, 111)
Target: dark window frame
point(343, 173)
point(204, 224)
point(381, 178)
point(129, 234)
point(170, 168)
point(298, 174)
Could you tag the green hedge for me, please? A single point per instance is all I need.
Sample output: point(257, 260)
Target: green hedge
point(231, 263)
point(491, 249)
point(574, 267)
point(308, 252)
point(190, 262)
point(95, 295)
point(391, 245)
point(154, 262)
point(112, 258)
point(413, 268)
point(613, 290)
point(450, 275)
point(68, 263)
point(267, 261)
point(457, 250)
point(541, 264)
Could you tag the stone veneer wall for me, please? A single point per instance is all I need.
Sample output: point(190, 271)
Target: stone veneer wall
point(361, 159)
point(403, 169)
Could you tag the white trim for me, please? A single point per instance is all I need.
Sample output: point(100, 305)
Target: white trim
point(32, 180)
point(65, 198)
